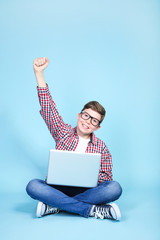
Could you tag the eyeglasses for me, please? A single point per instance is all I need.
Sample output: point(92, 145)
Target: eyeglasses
point(94, 121)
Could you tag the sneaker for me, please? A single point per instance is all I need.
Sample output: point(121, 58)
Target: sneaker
point(44, 209)
point(110, 211)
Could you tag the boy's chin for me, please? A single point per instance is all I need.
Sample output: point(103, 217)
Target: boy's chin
point(85, 132)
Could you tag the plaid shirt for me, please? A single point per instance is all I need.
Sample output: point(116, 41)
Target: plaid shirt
point(66, 137)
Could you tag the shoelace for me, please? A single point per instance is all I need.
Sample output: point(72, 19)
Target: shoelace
point(102, 213)
point(52, 209)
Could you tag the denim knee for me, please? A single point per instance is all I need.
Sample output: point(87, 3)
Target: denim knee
point(31, 187)
point(117, 189)
point(113, 190)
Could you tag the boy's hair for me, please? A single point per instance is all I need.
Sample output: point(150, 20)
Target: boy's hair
point(97, 107)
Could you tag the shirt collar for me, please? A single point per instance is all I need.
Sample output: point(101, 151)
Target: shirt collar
point(93, 138)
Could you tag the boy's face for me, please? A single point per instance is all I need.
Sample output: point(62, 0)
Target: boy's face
point(85, 127)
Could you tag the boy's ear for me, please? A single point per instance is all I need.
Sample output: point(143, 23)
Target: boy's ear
point(78, 116)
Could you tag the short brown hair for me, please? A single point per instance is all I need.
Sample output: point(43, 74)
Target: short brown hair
point(97, 107)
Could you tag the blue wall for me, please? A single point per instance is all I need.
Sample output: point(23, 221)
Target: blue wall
point(99, 50)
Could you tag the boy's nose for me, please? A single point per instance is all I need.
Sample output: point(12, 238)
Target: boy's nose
point(88, 121)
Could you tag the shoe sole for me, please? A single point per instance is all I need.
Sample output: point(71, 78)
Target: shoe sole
point(117, 211)
point(39, 207)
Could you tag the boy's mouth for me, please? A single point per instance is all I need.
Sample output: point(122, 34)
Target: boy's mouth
point(85, 126)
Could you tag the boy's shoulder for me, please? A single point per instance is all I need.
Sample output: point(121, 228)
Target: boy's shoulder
point(98, 141)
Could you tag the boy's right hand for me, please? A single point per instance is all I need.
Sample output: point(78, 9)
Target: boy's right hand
point(39, 64)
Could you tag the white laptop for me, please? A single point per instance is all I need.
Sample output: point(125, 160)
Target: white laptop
point(73, 169)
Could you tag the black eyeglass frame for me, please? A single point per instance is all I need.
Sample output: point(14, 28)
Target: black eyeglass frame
point(90, 117)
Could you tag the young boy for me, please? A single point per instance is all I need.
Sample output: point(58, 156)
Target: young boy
point(87, 202)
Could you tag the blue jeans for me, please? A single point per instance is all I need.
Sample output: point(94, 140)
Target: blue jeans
point(74, 199)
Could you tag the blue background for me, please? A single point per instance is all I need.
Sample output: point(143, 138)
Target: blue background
point(98, 50)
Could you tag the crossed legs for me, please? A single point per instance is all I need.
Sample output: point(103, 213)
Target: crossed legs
point(81, 203)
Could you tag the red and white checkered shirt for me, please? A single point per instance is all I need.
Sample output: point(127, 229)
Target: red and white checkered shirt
point(66, 137)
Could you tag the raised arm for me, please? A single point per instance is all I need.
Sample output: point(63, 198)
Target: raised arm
point(57, 127)
point(39, 64)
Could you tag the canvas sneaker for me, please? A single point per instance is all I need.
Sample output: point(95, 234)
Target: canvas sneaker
point(44, 209)
point(109, 211)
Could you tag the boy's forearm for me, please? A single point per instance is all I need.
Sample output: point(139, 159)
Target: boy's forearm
point(40, 79)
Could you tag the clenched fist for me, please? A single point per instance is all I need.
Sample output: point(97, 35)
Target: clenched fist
point(39, 64)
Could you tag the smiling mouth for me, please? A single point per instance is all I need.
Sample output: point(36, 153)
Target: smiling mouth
point(86, 127)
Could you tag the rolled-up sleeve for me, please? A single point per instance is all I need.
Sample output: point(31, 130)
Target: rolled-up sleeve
point(57, 127)
point(105, 173)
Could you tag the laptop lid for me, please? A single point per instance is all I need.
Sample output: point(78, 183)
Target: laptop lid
point(73, 169)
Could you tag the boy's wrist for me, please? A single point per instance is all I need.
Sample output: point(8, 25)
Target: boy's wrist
point(40, 79)
point(38, 73)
